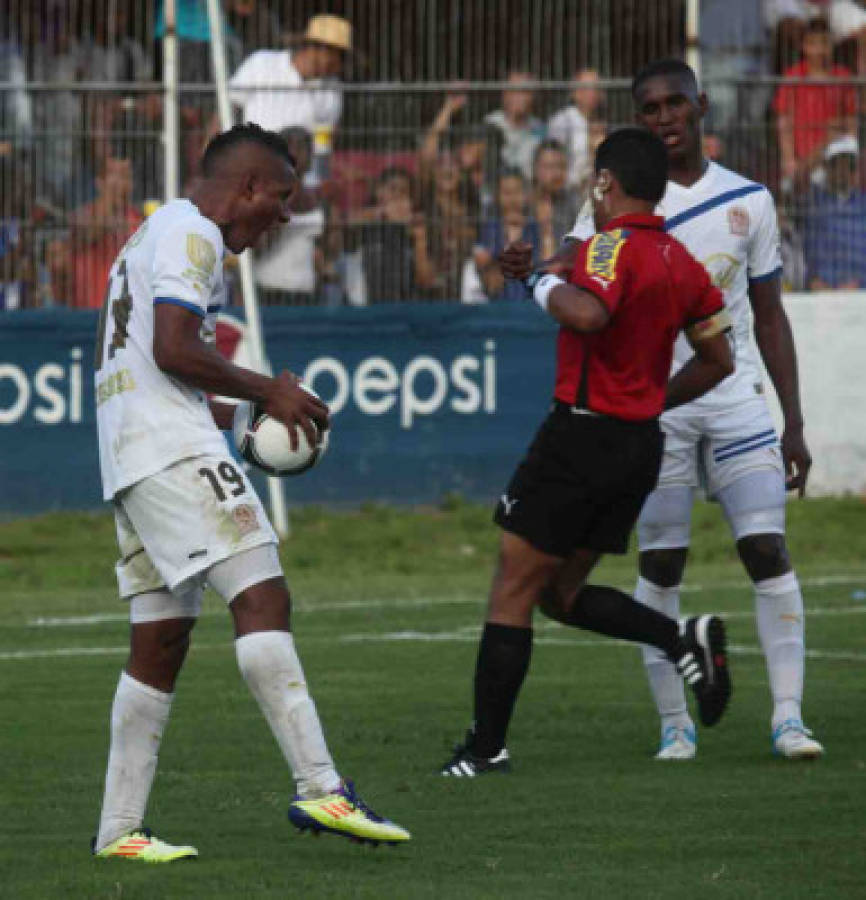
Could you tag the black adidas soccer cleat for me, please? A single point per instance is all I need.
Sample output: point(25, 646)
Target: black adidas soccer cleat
point(704, 665)
point(465, 764)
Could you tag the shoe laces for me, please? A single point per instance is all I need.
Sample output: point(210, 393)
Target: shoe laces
point(789, 725)
point(672, 732)
point(669, 735)
point(347, 789)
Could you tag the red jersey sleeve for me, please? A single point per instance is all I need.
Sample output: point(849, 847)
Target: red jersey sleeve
point(602, 268)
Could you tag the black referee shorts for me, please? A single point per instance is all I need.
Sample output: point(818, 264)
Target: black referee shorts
point(582, 483)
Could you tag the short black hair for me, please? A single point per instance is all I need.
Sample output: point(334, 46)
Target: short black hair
point(511, 172)
point(818, 25)
point(639, 161)
point(549, 144)
point(389, 173)
point(664, 67)
point(249, 133)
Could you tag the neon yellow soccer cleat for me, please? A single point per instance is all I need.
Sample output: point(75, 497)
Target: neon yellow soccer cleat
point(143, 846)
point(346, 814)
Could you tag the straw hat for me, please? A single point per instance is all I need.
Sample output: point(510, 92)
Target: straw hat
point(331, 31)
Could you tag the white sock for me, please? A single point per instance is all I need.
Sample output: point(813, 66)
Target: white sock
point(138, 718)
point(665, 682)
point(781, 628)
point(273, 673)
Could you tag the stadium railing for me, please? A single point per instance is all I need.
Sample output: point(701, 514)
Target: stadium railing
point(81, 163)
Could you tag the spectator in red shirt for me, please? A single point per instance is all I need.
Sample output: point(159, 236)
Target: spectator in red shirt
point(99, 229)
point(809, 116)
point(596, 457)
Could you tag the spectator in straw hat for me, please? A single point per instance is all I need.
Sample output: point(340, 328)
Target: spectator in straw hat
point(266, 85)
point(835, 230)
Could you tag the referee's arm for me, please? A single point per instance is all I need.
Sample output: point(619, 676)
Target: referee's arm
point(577, 309)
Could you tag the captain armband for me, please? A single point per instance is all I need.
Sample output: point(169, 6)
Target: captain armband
point(717, 323)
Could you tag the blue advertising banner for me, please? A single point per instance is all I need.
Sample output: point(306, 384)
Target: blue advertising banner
point(426, 400)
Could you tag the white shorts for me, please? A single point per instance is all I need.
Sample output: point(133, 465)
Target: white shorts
point(228, 578)
point(174, 526)
point(714, 449)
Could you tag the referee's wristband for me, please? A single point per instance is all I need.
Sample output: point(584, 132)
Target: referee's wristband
point(541, 285)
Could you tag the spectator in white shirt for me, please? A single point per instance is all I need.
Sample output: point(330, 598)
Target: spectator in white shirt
point(522, 131)
point(279, 88)
point(295, 262)
point(578, 127)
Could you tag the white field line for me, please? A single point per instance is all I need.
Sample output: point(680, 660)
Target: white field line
point(467, 635)
point(470, 635)
point(308, 606)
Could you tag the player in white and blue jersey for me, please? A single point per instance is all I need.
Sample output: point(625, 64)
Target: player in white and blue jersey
point(186, 515)
point(725, 441)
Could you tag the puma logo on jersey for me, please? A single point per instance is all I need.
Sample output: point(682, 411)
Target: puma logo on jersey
point(507, 504)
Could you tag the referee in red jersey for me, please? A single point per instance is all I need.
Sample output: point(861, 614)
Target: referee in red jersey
point(579, 490)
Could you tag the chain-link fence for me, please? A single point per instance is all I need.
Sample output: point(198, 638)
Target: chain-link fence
point(452, 127)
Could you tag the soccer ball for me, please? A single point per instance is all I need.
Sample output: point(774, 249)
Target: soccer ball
point(264, 442)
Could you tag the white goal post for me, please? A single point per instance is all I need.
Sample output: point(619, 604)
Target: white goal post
point(277, 499)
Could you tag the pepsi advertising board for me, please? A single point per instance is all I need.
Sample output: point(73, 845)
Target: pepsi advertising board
point(425, 400)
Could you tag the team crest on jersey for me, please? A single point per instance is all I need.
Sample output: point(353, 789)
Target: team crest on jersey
point(602, 254)
point(738, 221)
point(201, 254)
point(245, 518)
point(722, 269)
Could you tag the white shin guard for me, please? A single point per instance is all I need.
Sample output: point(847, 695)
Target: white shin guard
point(665, 682)
point(138, 718)
point(273, 673)
point(781, 628)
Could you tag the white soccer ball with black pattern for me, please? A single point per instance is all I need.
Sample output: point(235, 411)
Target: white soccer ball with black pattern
point(264, 442)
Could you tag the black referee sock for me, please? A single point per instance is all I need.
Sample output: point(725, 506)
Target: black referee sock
point(606, 610)
point(503, 660)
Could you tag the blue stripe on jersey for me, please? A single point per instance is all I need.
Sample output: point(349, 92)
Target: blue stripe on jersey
point(759, 278)
point(745, 440)
point(712, 203)
point(721, 457)
point(184, 303)
point(214, 307)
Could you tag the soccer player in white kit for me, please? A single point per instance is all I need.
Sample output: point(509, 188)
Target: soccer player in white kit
point(725, 441)
point(186, 514)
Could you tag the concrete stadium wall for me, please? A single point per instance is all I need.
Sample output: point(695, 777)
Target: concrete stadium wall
point(830, 334)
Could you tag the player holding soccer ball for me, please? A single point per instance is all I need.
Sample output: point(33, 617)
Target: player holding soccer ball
point(725, 440)
point(596, 457)
point(186, 514)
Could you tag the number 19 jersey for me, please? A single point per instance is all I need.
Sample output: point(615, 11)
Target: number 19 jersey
point(146, 420)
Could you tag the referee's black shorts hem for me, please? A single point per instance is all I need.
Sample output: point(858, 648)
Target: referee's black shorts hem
point(582, 483)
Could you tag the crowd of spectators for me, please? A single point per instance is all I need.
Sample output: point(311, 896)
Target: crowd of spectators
point(426, 219)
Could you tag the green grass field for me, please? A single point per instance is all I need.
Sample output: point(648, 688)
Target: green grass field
point(387, 609)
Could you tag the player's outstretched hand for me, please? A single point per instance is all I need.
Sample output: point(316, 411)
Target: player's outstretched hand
point(797, 459)
point(292, 405)
point(516, 260)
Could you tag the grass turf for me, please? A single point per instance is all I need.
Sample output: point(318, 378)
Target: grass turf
point(388, 604)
